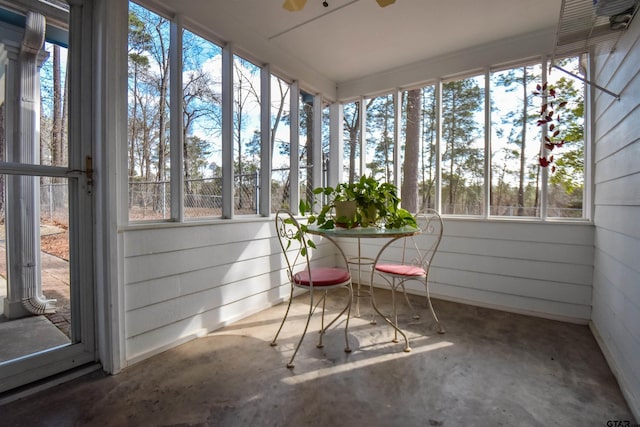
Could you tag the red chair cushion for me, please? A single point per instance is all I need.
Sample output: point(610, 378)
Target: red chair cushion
point(321, 276)
point(400, 270)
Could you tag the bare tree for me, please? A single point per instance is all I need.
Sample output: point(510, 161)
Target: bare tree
point(160, 53)
point(199, 101)
point(245, 93)
point(352, 126)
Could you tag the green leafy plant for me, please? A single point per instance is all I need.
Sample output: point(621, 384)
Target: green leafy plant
point(377, 204)
point(299, 237)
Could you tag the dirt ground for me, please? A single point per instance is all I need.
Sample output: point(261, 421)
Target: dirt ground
point(56, 243)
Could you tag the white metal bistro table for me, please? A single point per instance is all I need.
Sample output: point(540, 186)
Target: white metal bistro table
point(359, 260)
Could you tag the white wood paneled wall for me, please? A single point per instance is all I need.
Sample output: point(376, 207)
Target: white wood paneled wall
point(543, 269)
point(184, 281)
point(181, 282)
point(616, 293)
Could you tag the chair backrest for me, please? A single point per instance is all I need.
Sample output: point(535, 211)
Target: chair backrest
point(420, 249)
point(293, 242)
point(297, 247)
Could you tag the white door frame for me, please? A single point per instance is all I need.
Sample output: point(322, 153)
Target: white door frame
point(82, 351)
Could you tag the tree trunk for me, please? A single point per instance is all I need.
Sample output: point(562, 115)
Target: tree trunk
point(145, 161)
point(185, 158)
point(240, 105)
point(523, 158)
point(387, 152)
point(134, 124)
point(353, 143)
point(162, 125)
point(409, 189)
point(308, 109)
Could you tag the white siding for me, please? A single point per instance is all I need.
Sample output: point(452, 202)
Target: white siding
point(185, 281)
point(543, 269)
point(616, 293)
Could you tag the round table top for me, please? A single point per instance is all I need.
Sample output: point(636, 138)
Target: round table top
point(365, 232)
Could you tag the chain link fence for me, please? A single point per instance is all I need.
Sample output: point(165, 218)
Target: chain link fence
point(202, 197)
point(54, 202)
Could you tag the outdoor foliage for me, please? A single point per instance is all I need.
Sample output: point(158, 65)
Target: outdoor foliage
point(514, 176)
point(149, 126)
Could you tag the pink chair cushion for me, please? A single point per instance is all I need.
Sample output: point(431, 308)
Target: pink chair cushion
point(322, 276)
point(400, 270)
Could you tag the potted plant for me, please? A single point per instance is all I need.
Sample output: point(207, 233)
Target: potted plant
point(363, 203)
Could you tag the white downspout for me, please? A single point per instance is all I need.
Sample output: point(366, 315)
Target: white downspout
point(29, 204)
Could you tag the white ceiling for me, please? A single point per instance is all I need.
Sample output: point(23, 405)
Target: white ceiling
point(351, 39)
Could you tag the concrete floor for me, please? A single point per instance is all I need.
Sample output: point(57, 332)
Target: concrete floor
point(28, 335)
point(491, 368)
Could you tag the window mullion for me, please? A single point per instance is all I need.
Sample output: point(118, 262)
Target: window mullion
point(397, 170)
point(487, 144)
point(294, 146)
point(317, 142)
point(227, 131)
point(361, 138)
point(438, 189)
point(176, 123)
point(336, 144)
point(265, 141)
point(589, 119)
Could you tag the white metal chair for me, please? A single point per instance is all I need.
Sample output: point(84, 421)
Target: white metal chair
point(415, 254)
point(304, 273)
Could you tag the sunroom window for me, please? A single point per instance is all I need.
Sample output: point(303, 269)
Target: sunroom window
point(566, 184)
point(466, 145)
point(279, 138)
point(202, 126)
point(149, 114)
point(516, 176)
point(352, 142)
point(246, 135)
point(306, 154)
point(418, 152)
point(443, 141)
point(515, 142)
point(462, 146)
point(380, 137)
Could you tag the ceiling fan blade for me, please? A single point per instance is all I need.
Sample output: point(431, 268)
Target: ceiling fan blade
point(294, 5)
point(384, 3)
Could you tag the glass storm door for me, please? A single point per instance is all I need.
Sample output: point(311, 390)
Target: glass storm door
point(46, 267)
